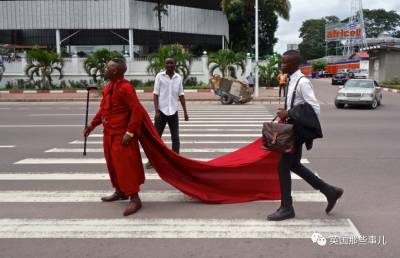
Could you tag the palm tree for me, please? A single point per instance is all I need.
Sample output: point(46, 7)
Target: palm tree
point(182, 58)
point(227, 62)
point(43, 63)
point(269, 71)
point(240, 15)
point(280, 7)
point(96, 62)
point(160, 9)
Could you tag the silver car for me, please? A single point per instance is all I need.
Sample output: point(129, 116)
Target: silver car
point(359, 92)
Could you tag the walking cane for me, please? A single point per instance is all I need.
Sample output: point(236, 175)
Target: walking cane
point(88, 88)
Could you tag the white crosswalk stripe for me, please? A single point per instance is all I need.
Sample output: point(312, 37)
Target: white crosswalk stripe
point(147, 196)
point(174, 228)
point(87, 161)
point(78, 176)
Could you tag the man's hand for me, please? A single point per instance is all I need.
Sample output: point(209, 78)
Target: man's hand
point(186, 116)
point(282, 113)
point(157, 115)
point(126, 139)
point(87, 130)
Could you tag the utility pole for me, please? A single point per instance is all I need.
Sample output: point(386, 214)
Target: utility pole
point(256, 90)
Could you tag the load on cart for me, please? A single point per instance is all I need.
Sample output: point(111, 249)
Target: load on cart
point(230, 90)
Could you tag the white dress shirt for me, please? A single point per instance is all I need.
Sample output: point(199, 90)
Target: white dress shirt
point(304, 92)
point(168, 91)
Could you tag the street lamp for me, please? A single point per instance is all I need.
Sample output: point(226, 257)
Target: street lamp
point(256, 90)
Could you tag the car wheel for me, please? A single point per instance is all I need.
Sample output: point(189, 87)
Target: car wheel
point(374, 104)
point(226, 99)
point(339, 105)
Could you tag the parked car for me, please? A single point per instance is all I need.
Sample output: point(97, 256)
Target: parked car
point(359, 92)
point(340, 78)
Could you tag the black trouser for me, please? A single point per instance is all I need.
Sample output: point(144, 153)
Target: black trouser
point(282, 87)
point(291, 162)
point(173, 124)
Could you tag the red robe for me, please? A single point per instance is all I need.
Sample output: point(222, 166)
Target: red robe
point(120, 112)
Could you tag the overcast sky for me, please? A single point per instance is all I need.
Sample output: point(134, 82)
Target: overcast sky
point(288, 31)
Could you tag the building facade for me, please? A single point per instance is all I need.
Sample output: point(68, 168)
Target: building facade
point(129, 24)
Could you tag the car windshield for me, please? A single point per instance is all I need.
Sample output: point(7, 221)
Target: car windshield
point(341, 74)
point(359, 84)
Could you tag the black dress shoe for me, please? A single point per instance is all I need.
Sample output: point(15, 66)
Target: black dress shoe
point(148, 165)
point(332, 194)
point(116, 196)
point(284, 212)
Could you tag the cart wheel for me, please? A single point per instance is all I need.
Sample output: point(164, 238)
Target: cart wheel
point(226, 99)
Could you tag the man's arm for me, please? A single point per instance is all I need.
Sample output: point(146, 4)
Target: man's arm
point(183, 101)
point(156, 93)
point(95, 122)
point(308, 95)
point(130, 99)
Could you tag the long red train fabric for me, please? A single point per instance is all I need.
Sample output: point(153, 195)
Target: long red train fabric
point(247, 174)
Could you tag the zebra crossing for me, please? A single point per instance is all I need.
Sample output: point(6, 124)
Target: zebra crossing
point(213, 130)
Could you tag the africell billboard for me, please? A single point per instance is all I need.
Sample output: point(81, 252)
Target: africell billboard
point(341, 31)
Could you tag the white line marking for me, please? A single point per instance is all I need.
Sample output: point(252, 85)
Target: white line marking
point(7, 146)
point(181, 125)
point(148, 196)
point(78, 176)
point(175, 228)
point(169, 142)
point(37, 126)
point(100, 150)
point(199, 135)
point(89, 161)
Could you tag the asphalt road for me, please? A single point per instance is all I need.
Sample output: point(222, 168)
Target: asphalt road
point(39, 216)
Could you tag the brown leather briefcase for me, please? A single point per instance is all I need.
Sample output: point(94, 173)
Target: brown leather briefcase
point(278, 137)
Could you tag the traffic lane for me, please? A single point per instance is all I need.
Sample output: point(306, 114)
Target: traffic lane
point(177, 248)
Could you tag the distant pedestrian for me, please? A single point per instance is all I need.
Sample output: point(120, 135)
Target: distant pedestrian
point(282, 78)
point(251, 79)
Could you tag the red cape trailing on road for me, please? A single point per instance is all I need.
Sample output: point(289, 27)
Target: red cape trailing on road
point(248, 174)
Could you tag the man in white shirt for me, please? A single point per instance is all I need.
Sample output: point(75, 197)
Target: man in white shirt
point(168, 88)
point(304, 93)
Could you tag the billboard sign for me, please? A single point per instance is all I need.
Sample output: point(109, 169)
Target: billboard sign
point(342, 31)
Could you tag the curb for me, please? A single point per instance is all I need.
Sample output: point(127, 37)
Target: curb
point(391, 90)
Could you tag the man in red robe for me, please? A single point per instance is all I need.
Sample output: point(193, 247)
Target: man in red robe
point(121, 115)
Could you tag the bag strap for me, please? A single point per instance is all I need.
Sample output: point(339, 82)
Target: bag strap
point(294, 92)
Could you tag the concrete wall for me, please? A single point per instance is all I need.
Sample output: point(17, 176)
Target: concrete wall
point(73, 70)
point(384, 65)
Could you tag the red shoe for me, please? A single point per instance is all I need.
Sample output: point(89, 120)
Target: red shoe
point(116, 196)
point(134, 205)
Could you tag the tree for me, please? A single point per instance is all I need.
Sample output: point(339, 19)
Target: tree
point(380, 20)
point(95, 63)
point(240, 15)
point(160, 9)
point(313, 34)
point(269, 71)
point(43, 63)
point(319, 65)
point(182, 58)
point(227, 62)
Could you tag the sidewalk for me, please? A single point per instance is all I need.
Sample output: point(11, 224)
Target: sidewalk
point(266, 95)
